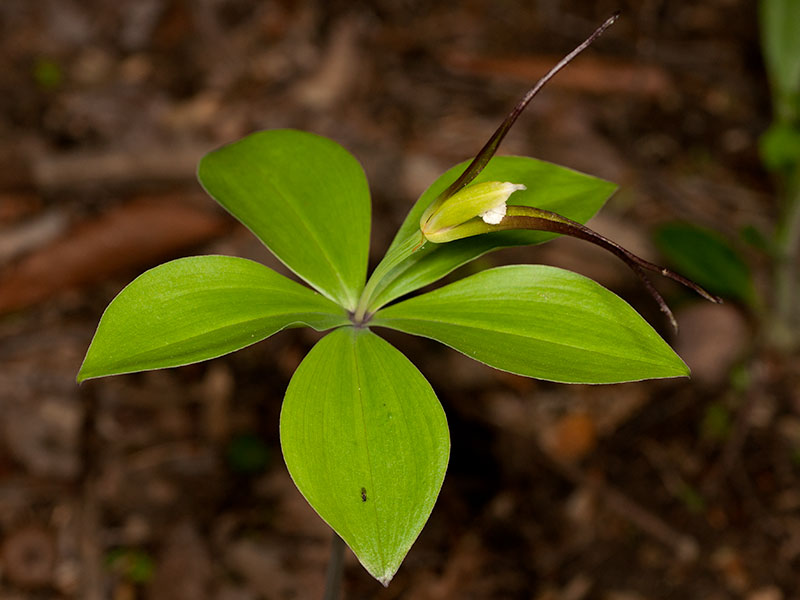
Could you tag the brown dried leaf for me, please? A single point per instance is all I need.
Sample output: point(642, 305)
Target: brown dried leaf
point(136, 234)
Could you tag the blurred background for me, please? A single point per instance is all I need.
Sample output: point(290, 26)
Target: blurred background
point(171, 485)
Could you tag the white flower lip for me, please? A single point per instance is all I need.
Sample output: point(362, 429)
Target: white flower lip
point(495, 214)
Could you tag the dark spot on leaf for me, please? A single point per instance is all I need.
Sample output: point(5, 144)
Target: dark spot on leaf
point(363, 494)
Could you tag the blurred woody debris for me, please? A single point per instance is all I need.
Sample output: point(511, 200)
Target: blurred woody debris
point(588, 74)
point(139, 232)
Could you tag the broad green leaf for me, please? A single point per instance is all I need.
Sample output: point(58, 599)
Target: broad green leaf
point(196, 308)
point(366, 442)
point(541, 322)
point(780, 39)
point(305, 197)
point(549, 186)
point(706, 257)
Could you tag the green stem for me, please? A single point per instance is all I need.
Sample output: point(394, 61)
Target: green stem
point(393, 258)
point(787, 238)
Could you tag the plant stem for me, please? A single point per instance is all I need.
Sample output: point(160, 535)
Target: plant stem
point(333, 576)
point(392, 259)
point(787, 237)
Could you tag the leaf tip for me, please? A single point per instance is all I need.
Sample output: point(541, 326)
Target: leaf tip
point(683, 369)
point(385, 580)
point(82, 374)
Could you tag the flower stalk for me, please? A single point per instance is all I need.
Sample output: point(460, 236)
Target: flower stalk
point(482, 158)
point(463, 210)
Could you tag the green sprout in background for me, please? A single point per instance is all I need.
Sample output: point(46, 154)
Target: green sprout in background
point(133, 565)
point(363, 434)
point(780, 146)
point(714, 260)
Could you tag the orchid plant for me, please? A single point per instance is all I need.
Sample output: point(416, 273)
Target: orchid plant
point(363, 435)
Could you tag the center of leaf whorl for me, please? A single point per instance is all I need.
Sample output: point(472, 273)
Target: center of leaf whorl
point(359, 323)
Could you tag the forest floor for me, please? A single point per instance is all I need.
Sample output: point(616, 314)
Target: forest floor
point(170, 485)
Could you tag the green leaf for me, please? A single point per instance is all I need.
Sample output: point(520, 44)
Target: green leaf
point(708, 258)
point(193, 309)
point(366, 442)
point(551, 187)
point(305, 197)
point(541, 322)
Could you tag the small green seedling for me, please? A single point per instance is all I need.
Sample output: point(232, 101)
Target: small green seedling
point(363, 435)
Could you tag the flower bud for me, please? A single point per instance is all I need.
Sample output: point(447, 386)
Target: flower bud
point(485, 200)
